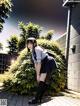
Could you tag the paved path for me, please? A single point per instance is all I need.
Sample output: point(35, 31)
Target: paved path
point(17, 100)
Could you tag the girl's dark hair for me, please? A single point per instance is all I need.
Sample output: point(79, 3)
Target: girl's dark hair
point(34, 54)
point(34, 42)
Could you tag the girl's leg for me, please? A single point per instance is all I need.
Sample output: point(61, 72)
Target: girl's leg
point(40, 90)
point(42, 85)
point(43, 77)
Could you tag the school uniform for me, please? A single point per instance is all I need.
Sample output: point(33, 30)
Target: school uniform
point(47, 65)
point(47, 62)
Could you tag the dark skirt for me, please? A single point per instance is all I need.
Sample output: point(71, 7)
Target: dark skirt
point(48, 64)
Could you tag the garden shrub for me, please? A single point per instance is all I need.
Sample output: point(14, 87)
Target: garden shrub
point(24, 80)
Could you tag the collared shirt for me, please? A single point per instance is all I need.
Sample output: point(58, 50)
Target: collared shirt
point(40, 54)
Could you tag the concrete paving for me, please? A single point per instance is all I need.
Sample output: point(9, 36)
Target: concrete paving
point(18, 100)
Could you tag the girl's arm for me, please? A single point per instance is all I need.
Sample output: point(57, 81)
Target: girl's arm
point(38, 68)
point(37, 62)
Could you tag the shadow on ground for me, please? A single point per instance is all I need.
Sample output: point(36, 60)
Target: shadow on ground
point(19, 100)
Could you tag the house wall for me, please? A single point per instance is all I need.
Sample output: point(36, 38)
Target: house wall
point(73, 76)
point(62, 42)
point(74, 58)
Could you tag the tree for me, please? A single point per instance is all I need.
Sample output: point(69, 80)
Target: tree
point(49, 35)
point(1, 46)
point(23, 29)
point(23, 36)
point(13, 45)
point(21, 44)
point(33, 30)
point(29, 30)
point(5, 9)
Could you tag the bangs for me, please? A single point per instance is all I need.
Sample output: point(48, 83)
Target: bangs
point(29, 41)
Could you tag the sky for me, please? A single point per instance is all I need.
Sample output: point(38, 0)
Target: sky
point(49, 14)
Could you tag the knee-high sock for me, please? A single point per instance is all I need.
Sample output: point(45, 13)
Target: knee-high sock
point(41, 90)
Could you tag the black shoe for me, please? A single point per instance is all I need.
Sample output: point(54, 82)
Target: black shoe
point(34, 101)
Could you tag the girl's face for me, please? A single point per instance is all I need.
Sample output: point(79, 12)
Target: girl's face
point(30, 46)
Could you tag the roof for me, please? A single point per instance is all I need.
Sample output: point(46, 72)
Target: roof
point(70, 2)
point(61, 36)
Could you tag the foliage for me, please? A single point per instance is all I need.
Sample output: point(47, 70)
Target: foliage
point(49, 35)
point(23, 29)
point(29, 30)
point(33, 30)
point(6, 76)
point(1, 46)
point(51, 45)
point(5, 9)
point(13, 45)
point(21, 44)
point(24, 81)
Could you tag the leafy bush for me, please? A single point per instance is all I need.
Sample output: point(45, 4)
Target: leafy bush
point(24, 80)
point(6, 76)
point(5, 9)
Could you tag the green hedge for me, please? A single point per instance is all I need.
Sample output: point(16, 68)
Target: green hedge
point(24, 77)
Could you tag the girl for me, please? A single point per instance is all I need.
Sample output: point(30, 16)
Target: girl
point(43, 64)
